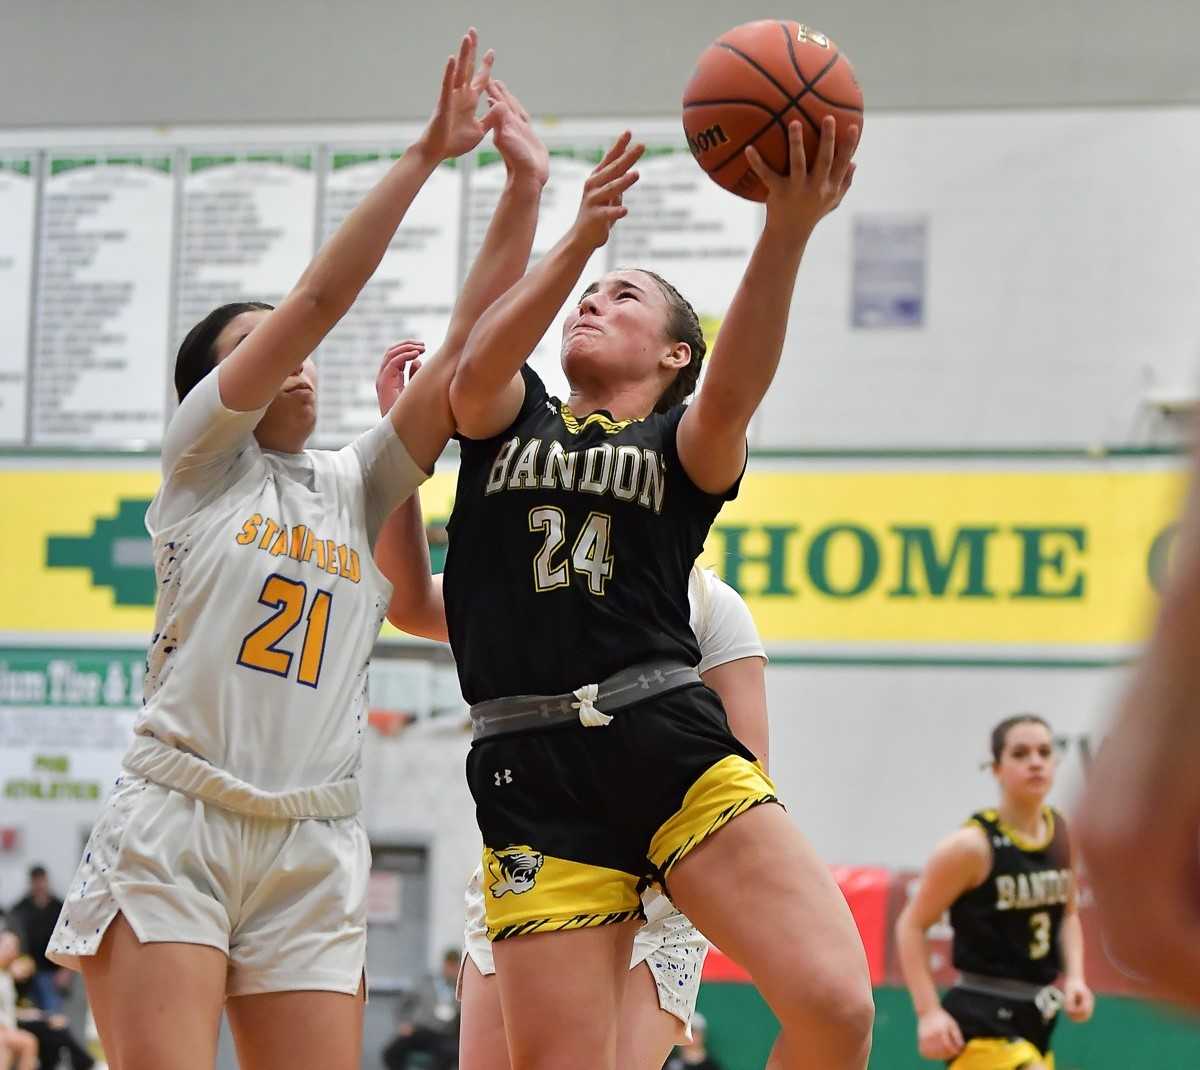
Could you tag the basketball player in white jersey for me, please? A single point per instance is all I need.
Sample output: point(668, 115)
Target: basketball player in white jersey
point(668, 951)
point(229, 862)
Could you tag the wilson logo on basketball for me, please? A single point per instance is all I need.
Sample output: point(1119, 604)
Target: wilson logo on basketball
point(514, 869)
point(703, 140)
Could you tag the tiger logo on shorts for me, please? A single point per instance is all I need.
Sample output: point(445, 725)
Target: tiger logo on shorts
point(514, 869)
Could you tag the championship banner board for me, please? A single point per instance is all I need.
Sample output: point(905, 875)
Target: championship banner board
point(875, 559)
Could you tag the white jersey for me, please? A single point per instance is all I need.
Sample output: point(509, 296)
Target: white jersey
point(721, 621)
point(269, 604)
point(725, 632)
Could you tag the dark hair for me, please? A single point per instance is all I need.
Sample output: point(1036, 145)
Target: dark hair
point(195, 357)
point(36, 871)
point(683, 325)
point(1000, 732)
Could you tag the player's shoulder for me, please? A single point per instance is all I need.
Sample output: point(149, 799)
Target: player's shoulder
point(969, 843)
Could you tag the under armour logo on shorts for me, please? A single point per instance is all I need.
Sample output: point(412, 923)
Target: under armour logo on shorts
point(503, 778)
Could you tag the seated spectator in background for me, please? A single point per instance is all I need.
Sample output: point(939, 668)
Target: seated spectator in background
point(18, 1048)
point(693, 1055)
point(427, 1020)
point(34, 918)
point(51, 1031)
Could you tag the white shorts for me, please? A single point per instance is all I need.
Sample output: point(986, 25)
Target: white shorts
point(668, 943)
point(285, 900)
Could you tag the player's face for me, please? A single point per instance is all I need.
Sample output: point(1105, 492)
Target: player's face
point(617, 331)
point(1027, 763)
point(291, 417)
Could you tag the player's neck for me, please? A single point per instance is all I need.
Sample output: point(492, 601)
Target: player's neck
point(1026, 816)
point(623, 401)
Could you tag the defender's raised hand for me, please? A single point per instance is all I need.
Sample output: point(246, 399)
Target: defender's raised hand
point(390, 380)
point(523, 152)
point(454, 127)
point(601, 206)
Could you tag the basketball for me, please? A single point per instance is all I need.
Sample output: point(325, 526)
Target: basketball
point(752, 82)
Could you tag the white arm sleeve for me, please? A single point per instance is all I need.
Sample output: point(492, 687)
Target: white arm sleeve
point(724, 628)
point(202, 442)
point(390, 475)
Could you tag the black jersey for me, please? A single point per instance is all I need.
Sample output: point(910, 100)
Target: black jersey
point(570, 546)
point(1009, 926)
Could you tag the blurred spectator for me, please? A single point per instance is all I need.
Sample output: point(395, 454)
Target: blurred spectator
point(427, 1020)
point(693, 1055)
point(34, 917)
point(18, 1048)
point(54, 1039)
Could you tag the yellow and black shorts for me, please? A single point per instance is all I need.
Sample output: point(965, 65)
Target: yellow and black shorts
point(1001, 1033)
point(577, 821)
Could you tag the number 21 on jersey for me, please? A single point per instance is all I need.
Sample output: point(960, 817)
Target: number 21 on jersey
point(589, 553)
point(260, 648)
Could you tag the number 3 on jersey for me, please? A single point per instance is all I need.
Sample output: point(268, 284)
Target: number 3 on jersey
point(589, 554)
point(287, 597)
point(1039, 923)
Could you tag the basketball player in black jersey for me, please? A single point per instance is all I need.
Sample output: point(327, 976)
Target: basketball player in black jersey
point(1008, 881)
point(600, 764)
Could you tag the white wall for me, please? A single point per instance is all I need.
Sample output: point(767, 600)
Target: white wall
point(1061, 290)
point(877, 764)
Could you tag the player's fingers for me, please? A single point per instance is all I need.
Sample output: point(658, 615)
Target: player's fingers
point(618, 147)
point(955, 1037)
point(514, 102)
point(844, 188)
point(823, 163)
point(461, 75)
point(497, 112)
point(484, 75)
point(466, 67)
point(843, 154)
point(447, 85)
point(621, 164)
point(759, 166)
point(390, 354)
point(611, 192)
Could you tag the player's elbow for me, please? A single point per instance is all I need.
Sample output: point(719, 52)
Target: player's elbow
point(470, 401)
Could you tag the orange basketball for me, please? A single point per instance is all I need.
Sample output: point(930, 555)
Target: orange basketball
point(750, 83)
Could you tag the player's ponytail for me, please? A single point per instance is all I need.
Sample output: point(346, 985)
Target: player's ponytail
point(195, 357)
point(683, 325)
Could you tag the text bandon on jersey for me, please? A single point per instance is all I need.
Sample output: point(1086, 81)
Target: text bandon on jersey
point(627, 473)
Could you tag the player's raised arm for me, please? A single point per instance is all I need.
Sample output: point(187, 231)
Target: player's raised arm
point(421, 414)
point(253, 373)
point(712, 434)
point(487, 390)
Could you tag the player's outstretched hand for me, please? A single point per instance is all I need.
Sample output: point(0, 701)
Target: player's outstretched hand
point(454, 127)
point(390, 380)
point(523, 152)
point(800, 199)
point(601, 206)
point(938, 1036)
